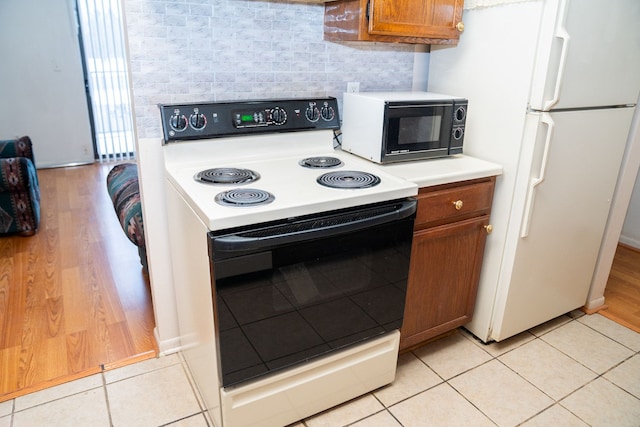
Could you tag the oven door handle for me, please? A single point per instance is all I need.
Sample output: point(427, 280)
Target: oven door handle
point(315, 228)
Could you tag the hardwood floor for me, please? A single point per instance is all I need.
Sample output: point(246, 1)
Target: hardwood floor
point(73, 298)
point(622, 294)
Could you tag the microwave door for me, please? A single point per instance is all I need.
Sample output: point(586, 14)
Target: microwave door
point(417, 131)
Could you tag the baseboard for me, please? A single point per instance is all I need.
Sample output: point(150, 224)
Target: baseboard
point(628, 241)
point(167, 347)
point(594, 306)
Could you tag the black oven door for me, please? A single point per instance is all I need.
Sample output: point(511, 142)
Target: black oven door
point(291, 291)
point(416, 131)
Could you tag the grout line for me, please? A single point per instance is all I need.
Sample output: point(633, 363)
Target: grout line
point(183, 418)
point(559, 401)
point(384, 409)
point(471, 403)
point(11, 412)
point(106, 397)
point(394, 417)
point(55, 399)
point(192, 384)
point(144, 372)
point(607, 336)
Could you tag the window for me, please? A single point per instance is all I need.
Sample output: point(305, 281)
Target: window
point(107, 79)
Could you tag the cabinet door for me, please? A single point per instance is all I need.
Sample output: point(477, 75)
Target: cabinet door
point(415, 18)
point(443, 279)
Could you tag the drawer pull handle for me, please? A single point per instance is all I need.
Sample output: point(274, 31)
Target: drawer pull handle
point(488, 228)
point(458, 204)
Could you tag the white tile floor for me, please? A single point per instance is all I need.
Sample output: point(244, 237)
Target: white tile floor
point(573, 371)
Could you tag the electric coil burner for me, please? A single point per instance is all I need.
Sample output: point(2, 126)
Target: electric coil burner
point(348, 179)
point(227, 176)
point(321, 162)
point(244, 197)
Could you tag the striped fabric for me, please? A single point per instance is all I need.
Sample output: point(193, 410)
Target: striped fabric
point(122, 185)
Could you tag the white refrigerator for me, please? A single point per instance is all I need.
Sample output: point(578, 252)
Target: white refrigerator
point(552, 87)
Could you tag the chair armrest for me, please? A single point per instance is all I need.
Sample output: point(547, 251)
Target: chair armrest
point(21, 147)
point(124, 190)
point(17, 174)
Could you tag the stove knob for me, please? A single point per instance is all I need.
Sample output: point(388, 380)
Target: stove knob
point(278, 116)
point(312, 114)
point(178, 122)
point(198, 121)
point(327, 113)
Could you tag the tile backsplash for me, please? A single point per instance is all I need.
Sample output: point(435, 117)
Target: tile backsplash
point(215, 50)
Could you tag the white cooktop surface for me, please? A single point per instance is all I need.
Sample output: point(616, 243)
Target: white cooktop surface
point(275, 158)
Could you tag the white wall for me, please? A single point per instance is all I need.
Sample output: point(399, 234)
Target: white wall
point(41, 81)
point(631, 228)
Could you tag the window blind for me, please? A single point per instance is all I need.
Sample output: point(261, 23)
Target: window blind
point(101, 26)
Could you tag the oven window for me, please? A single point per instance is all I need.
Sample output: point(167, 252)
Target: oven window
point(310, 298)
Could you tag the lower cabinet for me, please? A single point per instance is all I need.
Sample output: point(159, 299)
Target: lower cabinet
point(451, 228)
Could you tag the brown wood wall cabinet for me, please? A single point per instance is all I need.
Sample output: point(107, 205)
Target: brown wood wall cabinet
point(450, 231)
point(399, 21)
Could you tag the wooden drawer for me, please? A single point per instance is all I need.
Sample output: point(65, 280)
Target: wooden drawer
point(454, 202)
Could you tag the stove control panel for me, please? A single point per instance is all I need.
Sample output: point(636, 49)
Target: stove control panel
point(218, 119)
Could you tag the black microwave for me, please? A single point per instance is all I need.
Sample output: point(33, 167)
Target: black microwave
point(387, 127)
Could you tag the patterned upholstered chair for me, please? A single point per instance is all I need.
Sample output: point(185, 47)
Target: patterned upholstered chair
point(124, 190)
point(19, 189)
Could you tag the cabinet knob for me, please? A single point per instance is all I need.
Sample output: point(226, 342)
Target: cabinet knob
point(458, 204)
point(488, 228)
point(460, 26)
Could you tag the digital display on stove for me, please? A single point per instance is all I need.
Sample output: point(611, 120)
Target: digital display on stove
point(245, 119)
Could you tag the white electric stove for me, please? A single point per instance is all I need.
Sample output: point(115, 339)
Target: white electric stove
point(306, 264)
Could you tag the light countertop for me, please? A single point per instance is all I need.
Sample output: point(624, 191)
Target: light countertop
point(444, 170)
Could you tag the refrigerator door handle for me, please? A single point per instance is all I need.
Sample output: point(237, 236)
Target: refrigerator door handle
point(563, 35)
point(534, 182)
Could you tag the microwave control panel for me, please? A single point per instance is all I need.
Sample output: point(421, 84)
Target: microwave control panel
point(457, 128)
